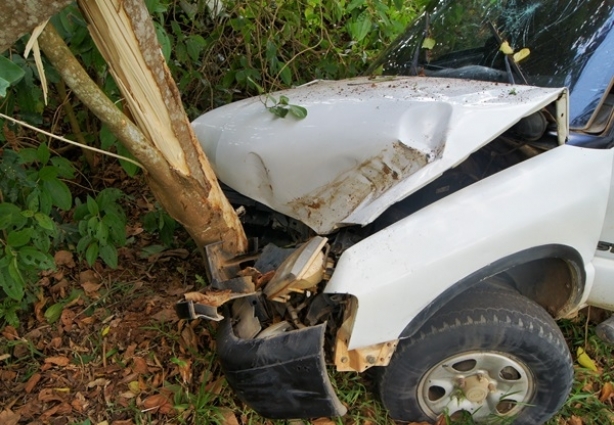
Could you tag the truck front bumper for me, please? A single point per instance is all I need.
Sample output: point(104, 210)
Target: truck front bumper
point(282, 376)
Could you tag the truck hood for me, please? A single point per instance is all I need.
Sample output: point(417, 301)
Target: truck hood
point(365, 143)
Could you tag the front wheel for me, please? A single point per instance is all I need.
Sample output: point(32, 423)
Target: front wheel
point(491, 353)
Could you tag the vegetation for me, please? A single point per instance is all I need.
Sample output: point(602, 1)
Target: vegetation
point(87, 255)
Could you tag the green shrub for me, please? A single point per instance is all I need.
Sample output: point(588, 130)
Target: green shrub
point(31, 192)
point(102, 227)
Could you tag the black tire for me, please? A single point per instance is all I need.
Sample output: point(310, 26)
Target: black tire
point(486, 328)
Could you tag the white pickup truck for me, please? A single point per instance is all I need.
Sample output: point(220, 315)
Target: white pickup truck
point(430, 221)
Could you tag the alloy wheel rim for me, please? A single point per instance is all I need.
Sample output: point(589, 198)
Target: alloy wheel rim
point(483, 384)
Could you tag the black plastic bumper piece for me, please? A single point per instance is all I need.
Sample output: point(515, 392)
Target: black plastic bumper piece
point(282, 376)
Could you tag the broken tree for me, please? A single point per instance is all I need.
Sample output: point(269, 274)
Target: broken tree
point(160, 137)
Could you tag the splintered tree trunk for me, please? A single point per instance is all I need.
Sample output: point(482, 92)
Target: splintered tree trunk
point(161, 137)
point(125, 35)
point(19, 17)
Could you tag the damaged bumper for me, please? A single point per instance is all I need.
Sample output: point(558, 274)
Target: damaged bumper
point(280, 376)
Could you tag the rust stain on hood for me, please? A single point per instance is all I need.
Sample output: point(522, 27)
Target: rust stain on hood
point(365, 182)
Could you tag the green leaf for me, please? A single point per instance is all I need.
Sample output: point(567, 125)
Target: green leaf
point(32, 201)
point(3, 86)
point(64, 167)
point(92, 206)
point(41, 241)
point(10, 286)
point(60, 194)
point(102, 233)
point(117, 228)
point(107, 139)
point(9, 74)
point(28, 155)
point(359, 28)
point(53, 313)
point(164, 40)
point(45, 201)
point(92, 225)
point(80, 211)
point(107, 198)
point(83, 243)
point(19, 238)
point(279, 111)
point(286, 75)
point(43, 154)
point(91, 253)
point(19, 283)
point(33, 257)
point(48, 173)
point(11, 217)
point(44, 221)
point(108, 253)
point(194, 45)
point(298, 111)
point(130, 168)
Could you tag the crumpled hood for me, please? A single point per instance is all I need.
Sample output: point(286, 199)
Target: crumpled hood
point(365, 144)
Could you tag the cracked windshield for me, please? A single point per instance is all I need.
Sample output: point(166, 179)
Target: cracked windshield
point(541, 43)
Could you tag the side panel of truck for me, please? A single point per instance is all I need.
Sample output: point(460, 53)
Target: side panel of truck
point(556, 199)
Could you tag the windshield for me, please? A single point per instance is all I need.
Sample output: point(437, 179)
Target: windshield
point(547, 43)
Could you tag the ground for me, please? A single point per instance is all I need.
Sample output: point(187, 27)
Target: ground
point(104, 346)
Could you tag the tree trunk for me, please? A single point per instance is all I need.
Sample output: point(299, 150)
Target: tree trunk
point(162, 139)
point(19, 17)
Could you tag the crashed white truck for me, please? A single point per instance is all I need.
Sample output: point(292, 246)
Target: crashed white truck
point(429, 221)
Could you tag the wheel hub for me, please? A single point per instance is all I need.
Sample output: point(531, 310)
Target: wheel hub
point(482, 384)
point(476, 388)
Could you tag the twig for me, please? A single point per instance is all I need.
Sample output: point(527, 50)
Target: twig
point(69, 141)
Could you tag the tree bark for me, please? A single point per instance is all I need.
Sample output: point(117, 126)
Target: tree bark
point(20, 17)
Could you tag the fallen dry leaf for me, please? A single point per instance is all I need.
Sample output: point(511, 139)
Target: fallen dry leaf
point(607, 392)
point(91, 288)
point(211, 298)
point(62, 409)
point(38, 309)
point(157, 403)
point(323, 421)
point(216, 386)
point(67, 319)
point(441, 420)
point(10, 333)
point(139, 365)
point(34, 379)
point(100, 382)
point(7, 417)
point(185, 370)
point(123, 422)
point(57, 360)
point(188, 338)
point(64, 258)
point(575, 420)
point(79, 403)
point(7, 375)
point(165, 315)
point(48, 394)
point(231, 419)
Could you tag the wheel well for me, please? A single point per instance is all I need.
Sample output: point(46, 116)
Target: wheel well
point(553, 283)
